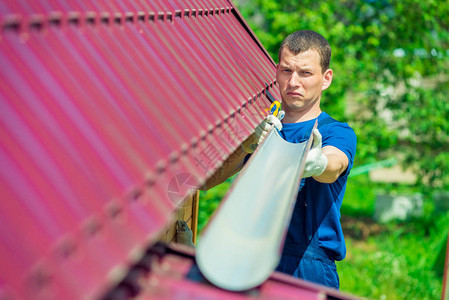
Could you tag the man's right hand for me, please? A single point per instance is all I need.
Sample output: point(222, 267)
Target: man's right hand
point(260, 133)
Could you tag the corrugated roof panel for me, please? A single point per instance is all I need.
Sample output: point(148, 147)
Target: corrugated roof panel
point(259, 62)
point(148, 80)
point(198, 61)
point(106, 106)
point(214, 58)
point(189, 86)
point(229, 57)
point(174, 275)
point(59, 203)
point(89, 121)
point(129, 81)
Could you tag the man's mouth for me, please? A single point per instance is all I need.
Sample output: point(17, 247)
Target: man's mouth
point(294, 94)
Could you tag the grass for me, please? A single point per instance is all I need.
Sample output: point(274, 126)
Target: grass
point(397, 260)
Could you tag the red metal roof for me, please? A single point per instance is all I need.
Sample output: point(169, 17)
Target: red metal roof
point(110, 112)
point(170, 272)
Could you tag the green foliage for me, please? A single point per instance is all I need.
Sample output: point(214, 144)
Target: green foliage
point(391, 66)
point(359, 197)
point(426, 131)
point(209, 202)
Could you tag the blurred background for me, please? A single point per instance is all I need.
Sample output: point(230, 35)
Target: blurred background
point(391, 84)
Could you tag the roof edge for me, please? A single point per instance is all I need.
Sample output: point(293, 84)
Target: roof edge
point(245, 24)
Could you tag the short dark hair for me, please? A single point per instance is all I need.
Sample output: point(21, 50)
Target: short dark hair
point(304, 40)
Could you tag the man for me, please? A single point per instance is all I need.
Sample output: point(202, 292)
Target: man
point(314, 239)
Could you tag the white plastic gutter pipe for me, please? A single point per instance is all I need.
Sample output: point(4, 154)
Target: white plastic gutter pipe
point(242, 243)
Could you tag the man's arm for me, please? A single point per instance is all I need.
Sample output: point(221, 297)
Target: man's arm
point(235, 161)
point(337, 162)
point(232, 165)
point(325, 164)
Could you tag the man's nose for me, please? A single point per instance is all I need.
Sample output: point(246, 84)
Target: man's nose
point(294, 80)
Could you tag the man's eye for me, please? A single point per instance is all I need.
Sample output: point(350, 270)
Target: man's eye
point(287, 70)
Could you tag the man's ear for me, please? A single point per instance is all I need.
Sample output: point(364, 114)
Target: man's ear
point(327, 78)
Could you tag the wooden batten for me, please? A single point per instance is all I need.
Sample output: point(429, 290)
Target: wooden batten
point(188, 212)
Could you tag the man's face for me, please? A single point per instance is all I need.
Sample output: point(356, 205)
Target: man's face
point(301, 80)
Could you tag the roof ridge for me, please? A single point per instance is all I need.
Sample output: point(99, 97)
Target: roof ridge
point(21, 23)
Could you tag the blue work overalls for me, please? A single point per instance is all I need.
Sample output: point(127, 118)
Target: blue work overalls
point(308, 260)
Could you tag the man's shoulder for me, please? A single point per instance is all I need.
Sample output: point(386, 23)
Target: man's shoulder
point(341, 136)
point(338, 134)
point(328, 123)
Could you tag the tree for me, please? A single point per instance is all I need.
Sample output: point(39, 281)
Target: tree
point(390, 62)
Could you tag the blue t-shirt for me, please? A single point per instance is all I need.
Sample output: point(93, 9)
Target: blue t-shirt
point(317, 210)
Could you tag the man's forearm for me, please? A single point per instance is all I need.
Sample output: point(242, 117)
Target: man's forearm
point(235, 161)
point(337, 164)
point(232, 165)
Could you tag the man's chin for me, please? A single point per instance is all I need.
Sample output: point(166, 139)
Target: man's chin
point(293, 106)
